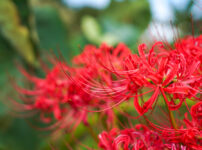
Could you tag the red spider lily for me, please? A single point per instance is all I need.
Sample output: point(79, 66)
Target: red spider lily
point(138, 138)
point(106, 139)
point(55, 95)
point(94, 60)
point(172, 73)
point(61, 96)
point(47, 94)
point(166, 72)
point(187, 135)
point(96, 77)
point(190, 138)
point(191, 47)
point(91, 55)
point(103, 77)
point(97, 58)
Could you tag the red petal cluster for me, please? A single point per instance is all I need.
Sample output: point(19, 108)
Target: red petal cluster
point(63, 95)
point(166, 71)
point(55, 97)
point(139, 137)
point(174, 73)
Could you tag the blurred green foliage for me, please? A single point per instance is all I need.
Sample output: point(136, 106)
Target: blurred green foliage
point(17, 35)
point(29, 29)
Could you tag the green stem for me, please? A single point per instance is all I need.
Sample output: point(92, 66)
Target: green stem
point(103, 122)
point(171, 116)
point(92, 133)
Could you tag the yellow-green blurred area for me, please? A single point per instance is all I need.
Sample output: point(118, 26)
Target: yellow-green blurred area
point(32, 29)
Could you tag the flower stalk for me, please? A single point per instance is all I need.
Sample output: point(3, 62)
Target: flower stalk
point(171, 116)
point(92, 133)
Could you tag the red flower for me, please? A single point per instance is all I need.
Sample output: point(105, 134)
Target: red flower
point(167, 72)
point(47, 94)
point(97, 80)
point(172, 73)
point(196, 113)
point(106, 139)
point(56, 98)
point(187, 135)
point(131, 139)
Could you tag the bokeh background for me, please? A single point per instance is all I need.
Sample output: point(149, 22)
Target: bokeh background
point(32, 29)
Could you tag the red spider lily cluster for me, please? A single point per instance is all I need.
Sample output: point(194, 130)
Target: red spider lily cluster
point(163, 78)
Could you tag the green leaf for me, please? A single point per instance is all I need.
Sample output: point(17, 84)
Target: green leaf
point(17, 35)
point(53, 34)
point(91, 29)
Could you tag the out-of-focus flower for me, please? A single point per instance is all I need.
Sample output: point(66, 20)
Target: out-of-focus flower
point(47, 94)
point(64, 92)
point(55, 98)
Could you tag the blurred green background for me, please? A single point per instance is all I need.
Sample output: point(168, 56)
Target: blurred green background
point(31, 29)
